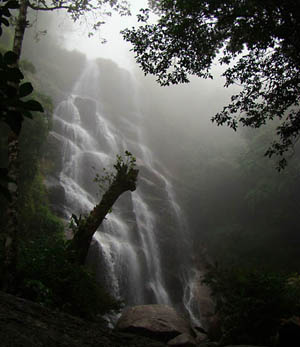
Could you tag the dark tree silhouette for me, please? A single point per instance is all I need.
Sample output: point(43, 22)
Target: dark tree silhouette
point(257, 40)
point(124, 179)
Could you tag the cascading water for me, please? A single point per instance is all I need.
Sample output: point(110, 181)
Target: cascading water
point(142, 248)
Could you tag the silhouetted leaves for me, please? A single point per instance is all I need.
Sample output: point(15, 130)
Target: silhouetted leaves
point(25, 89)
point(259, 43)
point(33, 105)
point(12, 108)
point(11, 74)
point(10, 58)
point(5, 8)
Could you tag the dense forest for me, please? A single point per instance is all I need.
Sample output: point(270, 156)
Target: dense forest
point(236, 190)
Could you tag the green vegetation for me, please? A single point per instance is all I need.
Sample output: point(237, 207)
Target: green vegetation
point(245, 212)
point(240, 210)
point(47, 277)
point(14, 108)
point(252, 303)
point(254, 207)
point(43, 273)
point(256, 41)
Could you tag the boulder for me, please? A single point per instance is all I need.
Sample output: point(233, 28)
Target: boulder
point(183, 340)
point(27, 324)
point(160, 322)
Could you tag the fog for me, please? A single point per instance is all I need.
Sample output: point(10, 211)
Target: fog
point(228, 190)
point(178, 117)
point(75, 35)
point(204, 202)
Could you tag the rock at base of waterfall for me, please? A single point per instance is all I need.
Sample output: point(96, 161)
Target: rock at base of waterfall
point(160, 322)
point(183, 340)
point(200, 338)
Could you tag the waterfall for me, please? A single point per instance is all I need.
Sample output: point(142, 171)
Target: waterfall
point(142, 248)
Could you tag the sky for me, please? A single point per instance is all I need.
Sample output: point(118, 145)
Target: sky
point(115, 48)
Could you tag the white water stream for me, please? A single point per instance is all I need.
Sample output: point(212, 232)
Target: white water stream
point(142, 247)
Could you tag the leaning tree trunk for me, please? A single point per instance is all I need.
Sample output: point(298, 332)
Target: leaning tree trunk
point(11, 238)
point(79, 246)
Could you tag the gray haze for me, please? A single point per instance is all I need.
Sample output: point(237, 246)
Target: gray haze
point(189, 167)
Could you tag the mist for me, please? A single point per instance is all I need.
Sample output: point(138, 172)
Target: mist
point(205, 194)
point(221, 178)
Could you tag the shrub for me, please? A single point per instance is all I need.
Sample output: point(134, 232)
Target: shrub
point(251, 303)
point(45, 276)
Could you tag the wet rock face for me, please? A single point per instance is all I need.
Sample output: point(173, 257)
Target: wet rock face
point(88, 113)
point(57, 196)
point(160, 322)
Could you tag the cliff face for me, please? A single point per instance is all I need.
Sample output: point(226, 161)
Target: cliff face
point(26, 324)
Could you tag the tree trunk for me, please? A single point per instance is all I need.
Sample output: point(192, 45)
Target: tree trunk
point(11, 238)
point(20, 28)
point(79, 246)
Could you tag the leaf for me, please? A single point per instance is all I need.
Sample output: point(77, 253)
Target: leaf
point(12, 4)
point(14, 120)
point(5, 11)
point(4, 21)
point(33, 105)
point(11, 74)
point(10, 58)
point(25, 89)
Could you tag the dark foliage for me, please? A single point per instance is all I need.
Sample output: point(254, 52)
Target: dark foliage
point(5, 7)
point(257, 41)
point(251, 303)
point(13, 108)
point(45, 276)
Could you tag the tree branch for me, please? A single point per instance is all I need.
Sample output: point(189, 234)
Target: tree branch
point(46, 8)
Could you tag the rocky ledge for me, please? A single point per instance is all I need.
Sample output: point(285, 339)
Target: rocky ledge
point(26, 324)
